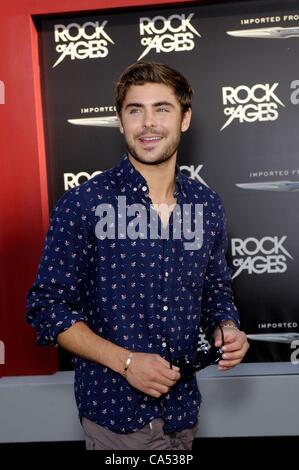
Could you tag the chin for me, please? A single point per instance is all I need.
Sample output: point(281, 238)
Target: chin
point(150, 160)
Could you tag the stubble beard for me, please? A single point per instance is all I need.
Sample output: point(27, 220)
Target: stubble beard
point(164, 157)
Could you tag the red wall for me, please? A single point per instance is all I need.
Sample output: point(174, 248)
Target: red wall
point(23, 190)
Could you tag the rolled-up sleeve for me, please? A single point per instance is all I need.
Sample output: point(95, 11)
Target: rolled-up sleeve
point(218, 300)
point(54, 303)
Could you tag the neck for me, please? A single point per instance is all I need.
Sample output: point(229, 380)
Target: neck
point(160, 179)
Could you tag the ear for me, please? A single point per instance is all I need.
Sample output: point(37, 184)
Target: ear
point(120, 123)
point(186, 119)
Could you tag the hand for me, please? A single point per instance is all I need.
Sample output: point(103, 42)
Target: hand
point(151, 374)
point(234, 349)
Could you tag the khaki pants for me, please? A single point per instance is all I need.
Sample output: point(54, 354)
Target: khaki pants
point(151, 437)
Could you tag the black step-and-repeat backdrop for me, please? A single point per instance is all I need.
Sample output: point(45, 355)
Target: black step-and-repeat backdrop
point(242, 61)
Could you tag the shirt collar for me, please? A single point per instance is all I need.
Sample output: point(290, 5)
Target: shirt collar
point(180, 180)
point(134, 179)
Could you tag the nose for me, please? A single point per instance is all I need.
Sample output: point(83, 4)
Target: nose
point(149, 118)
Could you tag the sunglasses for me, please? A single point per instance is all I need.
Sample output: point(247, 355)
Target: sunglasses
point(204, 357)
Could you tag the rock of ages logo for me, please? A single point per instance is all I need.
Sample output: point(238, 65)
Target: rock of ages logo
point(175, 33)
point(267, 255)
point(71, 180)
point(250, 104)
point(86, 41)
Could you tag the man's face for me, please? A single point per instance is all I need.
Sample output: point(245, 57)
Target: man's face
point(151, 121)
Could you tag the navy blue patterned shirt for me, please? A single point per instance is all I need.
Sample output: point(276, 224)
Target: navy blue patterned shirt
point(140, 293)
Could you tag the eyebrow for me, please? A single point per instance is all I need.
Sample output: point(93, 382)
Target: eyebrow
point(156, 105)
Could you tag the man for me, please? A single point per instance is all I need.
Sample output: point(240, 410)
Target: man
point(128, 303)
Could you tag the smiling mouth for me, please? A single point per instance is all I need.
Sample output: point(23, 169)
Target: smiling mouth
point(149, 139)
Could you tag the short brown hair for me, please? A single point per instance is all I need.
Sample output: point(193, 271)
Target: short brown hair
point(153, 72)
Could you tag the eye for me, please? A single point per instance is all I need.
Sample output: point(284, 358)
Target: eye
point(135, 110)
point(163, 109)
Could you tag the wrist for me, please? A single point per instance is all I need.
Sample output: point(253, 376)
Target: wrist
point(228, 324)
point(122, 360)
point(127, 363)
point(114, 357)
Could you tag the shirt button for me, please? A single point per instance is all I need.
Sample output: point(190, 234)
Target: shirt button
point(144, 188)
point(164, 344)
point(165, 307)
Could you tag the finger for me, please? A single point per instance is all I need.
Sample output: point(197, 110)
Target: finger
point(162, 389)
point(232, 334)
point(231, 338)
point(218, 338)
point(153, 393)
point(239, 343)
point(163, 361)
point(170, 374)
point(163, 375)
point(232, 356)
point(172, 380)
point(232, 363)
point(169, 383)
point(167, 364)
point(229, 348)
point(163, 381)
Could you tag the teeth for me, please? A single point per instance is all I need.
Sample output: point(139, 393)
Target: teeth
point(150, 138)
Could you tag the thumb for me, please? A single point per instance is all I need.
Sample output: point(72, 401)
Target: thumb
point(218, 338)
